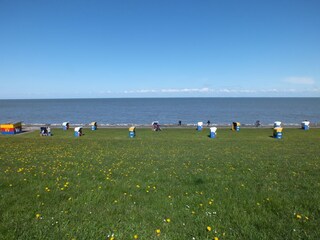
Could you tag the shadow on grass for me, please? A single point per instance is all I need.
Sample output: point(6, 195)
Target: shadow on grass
point(199, 181)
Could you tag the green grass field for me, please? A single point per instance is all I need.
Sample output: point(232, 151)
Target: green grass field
point(175, 184)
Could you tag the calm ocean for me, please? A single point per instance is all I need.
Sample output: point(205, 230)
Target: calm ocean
point(165, 110)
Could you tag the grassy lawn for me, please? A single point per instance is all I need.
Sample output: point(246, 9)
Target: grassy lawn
point(240, 185)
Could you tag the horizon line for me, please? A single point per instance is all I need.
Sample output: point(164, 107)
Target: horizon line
point(164, 97)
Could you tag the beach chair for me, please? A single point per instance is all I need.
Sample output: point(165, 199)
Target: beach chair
point(305, 125)
point(235, 126)
point(132, 132)
point(78, 131)
point(156, 126)
point(199, 126)
point(43, 131)
point(213, 132)
point(93, 126)
point(65, 125)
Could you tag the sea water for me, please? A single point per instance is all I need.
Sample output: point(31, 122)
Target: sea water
point(126, 111)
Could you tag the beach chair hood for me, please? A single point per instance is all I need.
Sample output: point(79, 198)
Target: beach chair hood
point(277, 123)
point(65, 123)
point(77, 129)
point(213, 129)
point(200, 123)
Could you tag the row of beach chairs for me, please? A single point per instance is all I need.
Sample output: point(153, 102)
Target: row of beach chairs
point(277, 130)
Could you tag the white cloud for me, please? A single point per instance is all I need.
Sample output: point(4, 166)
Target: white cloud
point(186, 90)
point(227, 91)
point(300, 80)
point(141, 91)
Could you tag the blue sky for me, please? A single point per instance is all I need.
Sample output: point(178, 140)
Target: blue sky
point(159, 48)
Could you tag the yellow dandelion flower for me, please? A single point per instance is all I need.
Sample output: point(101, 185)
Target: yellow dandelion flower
point(158, 231)
point(168, 220)
point(135, 236)
point(298, 216)
point(38, 216)
point(209, 229)
point(215, 238)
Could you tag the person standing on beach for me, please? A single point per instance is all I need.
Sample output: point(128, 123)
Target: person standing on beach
point(208, 123)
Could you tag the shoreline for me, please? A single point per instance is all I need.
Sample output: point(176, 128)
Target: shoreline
point(163, 126)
